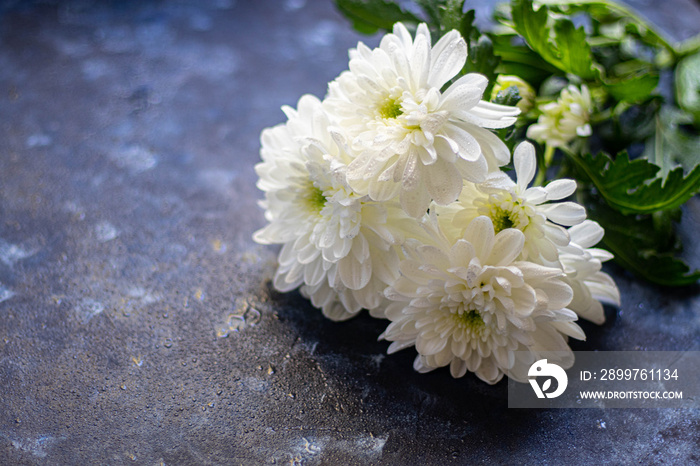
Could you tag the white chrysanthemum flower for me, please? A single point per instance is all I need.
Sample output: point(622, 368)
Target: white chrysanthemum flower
point(564, 120)
point(410, 137)
point(512, 204)
point(469, 304)
point(582, 264)
point(339, 245)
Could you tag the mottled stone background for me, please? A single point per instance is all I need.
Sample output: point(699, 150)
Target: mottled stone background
point(137, 323)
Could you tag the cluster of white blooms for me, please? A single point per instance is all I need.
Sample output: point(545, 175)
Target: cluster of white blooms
point(564, 120)
point(389, 196)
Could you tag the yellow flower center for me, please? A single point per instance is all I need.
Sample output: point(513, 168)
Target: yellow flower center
point(470, 321)
point(390, 109)
point(502, 219)
point(315, 200)
point(505, 211)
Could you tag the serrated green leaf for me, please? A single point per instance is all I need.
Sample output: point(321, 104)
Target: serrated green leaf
point(670, 193)
point(563, 45)
point(611, 11)
point(369, 16)
point(662, 269)
point(574, 51)
point(644, 246)
point(631, 186)
point(627, 78)
point(675, 139)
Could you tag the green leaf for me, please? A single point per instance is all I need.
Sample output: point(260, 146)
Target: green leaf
point(632, 187)
point(520, 60)
point(660, 268)
point(369, 16)
point(481, 59)
point(609, 12)
point(554, 37)
point(644, 245)
point(562, 45)
point(675, 141)
point(633, 88)
point(574, 51)
point(432, 10)
point(452, 16)
point(666, 194)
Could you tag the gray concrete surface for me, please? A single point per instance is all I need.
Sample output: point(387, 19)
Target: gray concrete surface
point(137, 323)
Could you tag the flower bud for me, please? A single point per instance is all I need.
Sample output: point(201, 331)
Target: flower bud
point(526, 92)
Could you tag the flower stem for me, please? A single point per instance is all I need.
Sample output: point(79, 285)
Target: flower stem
point(542, 170)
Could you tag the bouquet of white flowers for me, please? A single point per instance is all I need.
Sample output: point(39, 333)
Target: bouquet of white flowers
point(397, 192)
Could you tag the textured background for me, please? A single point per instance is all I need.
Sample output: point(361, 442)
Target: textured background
point(137, 323)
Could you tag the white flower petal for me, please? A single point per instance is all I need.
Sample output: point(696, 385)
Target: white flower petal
point(419, 59)
point(458, 368)
point(475, 80)
point(584, 131)
point(490, 115)
point(430, 346)
point(383, 190)
point(560, 189)
point(411, 177)
point(571, 329)
point(496, 182)
point(461, 97)
point(402, 34)
point(398, 346)
point(443, 183)
point(337, 312)
point(488, 372)
point(604, 289)
point(473, 171)
point(507, 246)
point(495, 151)
point(462, 253)
point(586, 234)
point(593, 311)
point(525, 164)
point(600, 254)
point(481, 235)
point(556, 234)
point(535, 195)
point(467, 146)
point(448, 58)
point(434, 256)
point(565, 213)
point(415, 202)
